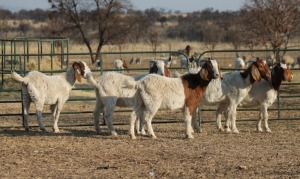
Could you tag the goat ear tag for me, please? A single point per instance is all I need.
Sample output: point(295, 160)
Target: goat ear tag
point(78, 71)
point(203, 71)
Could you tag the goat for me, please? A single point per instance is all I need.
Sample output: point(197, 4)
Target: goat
point(156, 92)
point(136, 61)
point(240, 63)
point(233, 88)
point(187, 62)
point(109, 93)
point(265, 93)
point(120, 64)
point(167, 61)
point(42, 89)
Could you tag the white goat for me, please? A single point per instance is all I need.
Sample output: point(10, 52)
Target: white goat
point(232, 89)
point(240, 63)
point(156, 92)
point(110, 93)
point(50, 90)
point(265, 93)
point(120, 64)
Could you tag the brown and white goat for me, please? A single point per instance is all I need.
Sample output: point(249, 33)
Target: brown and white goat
point(232, 89)
point(265, 93)
point(156, 92)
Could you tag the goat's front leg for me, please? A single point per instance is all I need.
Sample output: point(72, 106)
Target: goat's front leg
point(133, 117)
point(258, 125)
point(195, 124)
point(232, 116)
point(266, 118)
point(188, 123)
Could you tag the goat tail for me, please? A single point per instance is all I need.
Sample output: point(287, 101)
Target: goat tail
point(130, 84)
point(19, 78)
point(91, 80)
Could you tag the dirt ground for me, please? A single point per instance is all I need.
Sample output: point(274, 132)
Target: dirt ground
point(77, 152)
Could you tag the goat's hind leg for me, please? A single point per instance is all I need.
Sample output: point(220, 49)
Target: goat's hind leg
point(55, 115)
point(219, 112)
point(98, 109)
point(109, 109)
point(26, 104)
point(148, 115)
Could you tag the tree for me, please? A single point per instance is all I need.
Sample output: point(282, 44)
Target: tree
point(272, 22)
point(212, 34)
point(154, 39)
point(4, 15)
point(99, 20)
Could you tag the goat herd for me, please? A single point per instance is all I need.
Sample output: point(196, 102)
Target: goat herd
point(257, 85)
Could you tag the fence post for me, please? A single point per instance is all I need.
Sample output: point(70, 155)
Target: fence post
point(23, 120)
point(100, 58)
point(278, 96)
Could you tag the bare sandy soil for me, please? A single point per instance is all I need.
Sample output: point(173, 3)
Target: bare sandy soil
point(77, 152)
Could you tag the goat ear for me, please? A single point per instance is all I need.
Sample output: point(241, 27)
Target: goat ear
point(255, 73)
point(204, 74)
point(77, 72)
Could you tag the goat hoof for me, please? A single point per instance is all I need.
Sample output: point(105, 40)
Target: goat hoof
point(221, 129)
point(189, 136)
point(113, 133)
point(28, 129)
point(227, 130)
point(132, 137)
point(98, 131)
point(235, 132)
point(153, 137)
point(55, 130)
point(268, 131)
point(143, 132)
point(259, 130)
point(44, 130)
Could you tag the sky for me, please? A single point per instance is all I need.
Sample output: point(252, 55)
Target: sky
point(181, 5)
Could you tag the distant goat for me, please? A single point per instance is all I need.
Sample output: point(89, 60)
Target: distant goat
point(120, 64)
